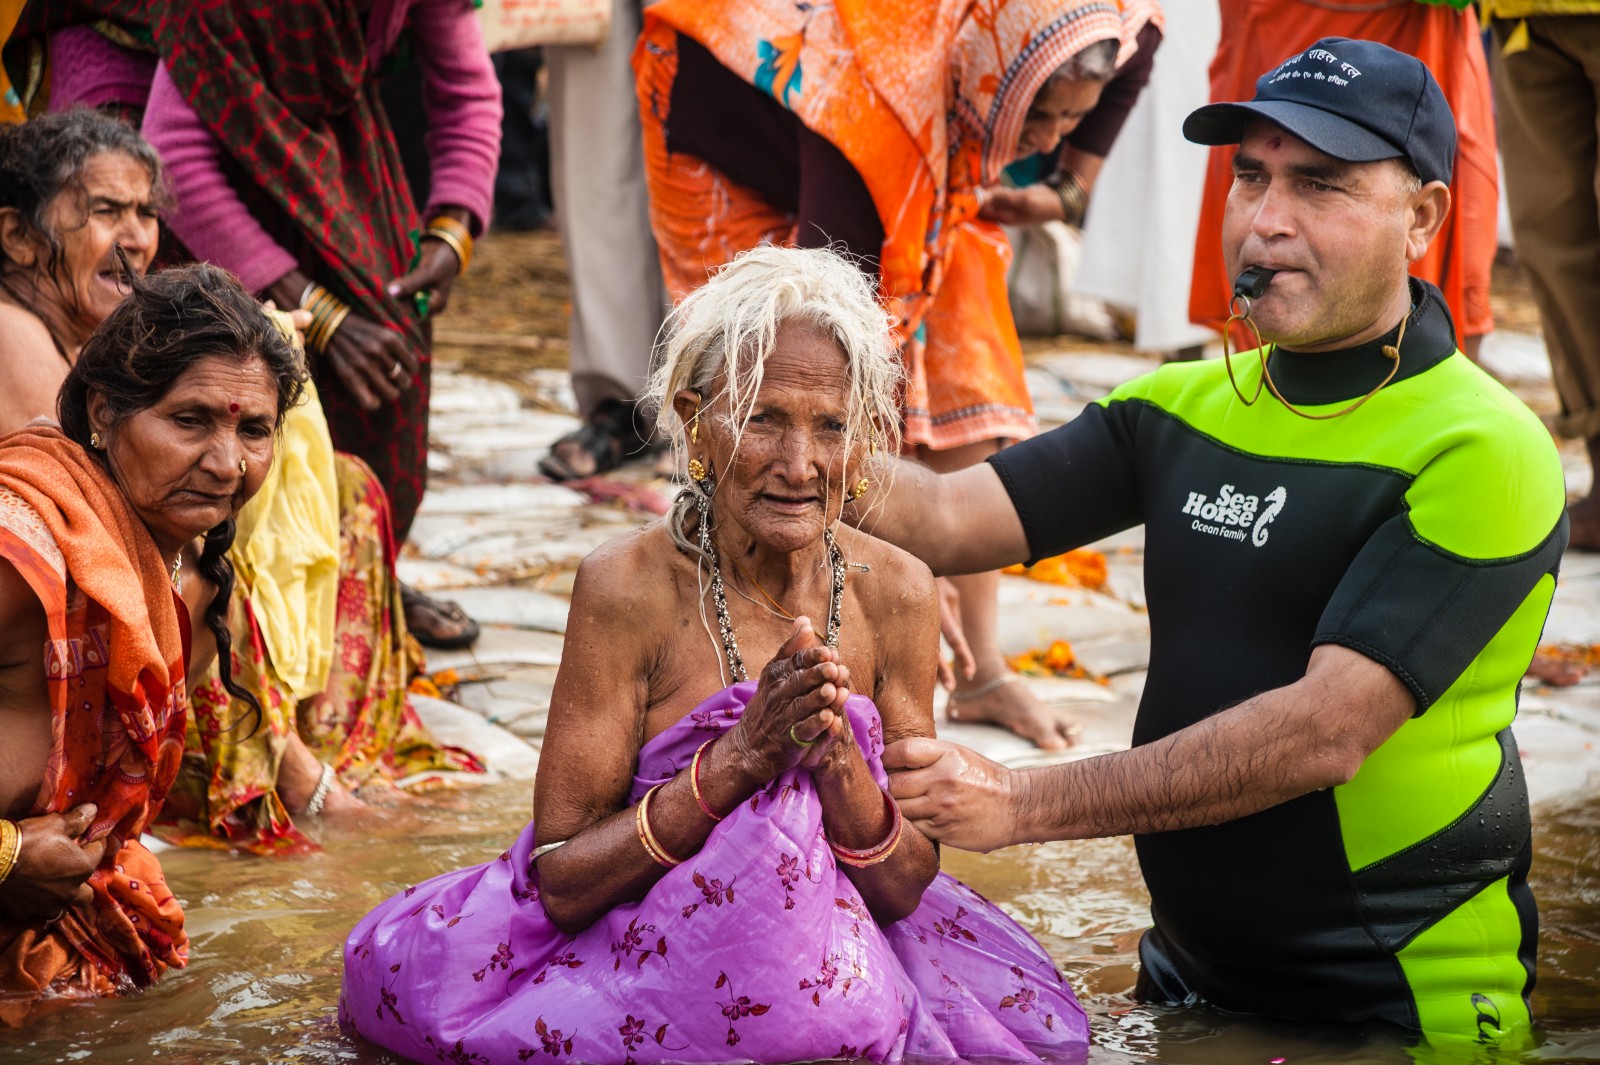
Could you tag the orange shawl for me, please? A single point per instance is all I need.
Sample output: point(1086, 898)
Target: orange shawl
point(115, 670)
point(926, 100)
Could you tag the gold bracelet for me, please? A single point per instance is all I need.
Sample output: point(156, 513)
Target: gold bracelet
point(10, 847)
point(328, 312)
point(641, 819)
point(1074, 197)
point(453, 233)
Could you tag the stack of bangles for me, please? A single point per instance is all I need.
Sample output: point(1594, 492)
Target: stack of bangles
point(328, 313)
point(879, 852)
point(10, 847)
point(652, 846)
point(1074, 197)
point(453, 233)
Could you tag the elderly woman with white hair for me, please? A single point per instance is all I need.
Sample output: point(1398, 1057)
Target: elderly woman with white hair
point(713, 861)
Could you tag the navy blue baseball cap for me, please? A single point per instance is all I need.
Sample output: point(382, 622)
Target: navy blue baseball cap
point(1358, 101)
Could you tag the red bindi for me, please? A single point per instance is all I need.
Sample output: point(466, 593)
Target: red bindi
point(233, 408)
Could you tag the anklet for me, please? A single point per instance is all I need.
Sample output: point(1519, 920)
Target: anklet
point(319, 794)
point(985, 688)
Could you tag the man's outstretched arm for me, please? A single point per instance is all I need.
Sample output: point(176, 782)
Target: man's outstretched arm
point(1277, 746)
point(961, 522)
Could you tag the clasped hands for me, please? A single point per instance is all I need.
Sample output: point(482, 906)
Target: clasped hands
point(796, 716)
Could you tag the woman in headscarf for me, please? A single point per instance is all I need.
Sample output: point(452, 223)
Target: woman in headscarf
point(881, 128)
point(169, 422)
point(715, 872)
point(318, 632)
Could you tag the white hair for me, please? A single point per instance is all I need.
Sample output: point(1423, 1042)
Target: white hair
point(721, 335)
point(1095, 62)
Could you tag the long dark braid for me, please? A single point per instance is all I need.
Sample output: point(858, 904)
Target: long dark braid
point(216, 567)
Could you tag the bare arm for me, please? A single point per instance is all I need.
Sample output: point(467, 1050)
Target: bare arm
point(31, 369)
point(905, 623)
point(55, 859)
point(1277, 746)
point(597, 727)
point(961, 522)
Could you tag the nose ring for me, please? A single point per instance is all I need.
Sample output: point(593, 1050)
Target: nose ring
point(243, 467)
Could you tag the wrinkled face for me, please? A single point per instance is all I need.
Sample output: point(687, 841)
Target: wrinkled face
point(111, 204)
point(1335, 231)
point(1055, 112)
point(785, 483)
point(177, 462)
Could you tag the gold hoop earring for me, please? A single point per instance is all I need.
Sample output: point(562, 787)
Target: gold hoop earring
point(697, 470)
point(94, 441)
point(859, 489)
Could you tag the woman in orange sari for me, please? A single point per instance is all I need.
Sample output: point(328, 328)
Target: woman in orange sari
point(878, 127)
point(168, 424)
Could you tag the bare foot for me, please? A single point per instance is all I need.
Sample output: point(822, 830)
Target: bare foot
point(1585, 518)
point(298, 776)
point(1556, 670)
point(1005, 700)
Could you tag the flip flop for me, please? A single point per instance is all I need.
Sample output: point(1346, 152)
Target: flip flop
point(609, 437)
point(413, 600)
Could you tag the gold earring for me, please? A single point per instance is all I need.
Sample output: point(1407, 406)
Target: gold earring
point(94, 441)
point(694, 427)
point(697, 469)
point(860, 488)
point(242, 467)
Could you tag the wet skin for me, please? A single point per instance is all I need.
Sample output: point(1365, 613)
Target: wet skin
point(109, 205)
point(178, 465)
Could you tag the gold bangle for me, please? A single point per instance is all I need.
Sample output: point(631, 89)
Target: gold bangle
point(453, 233)
point(1074, 197)
point(463, 254)
point(653, 847)
point(10, 847)
point(328, 312)
point(694, 782)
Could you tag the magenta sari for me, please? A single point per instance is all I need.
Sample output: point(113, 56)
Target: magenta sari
point(756, 949)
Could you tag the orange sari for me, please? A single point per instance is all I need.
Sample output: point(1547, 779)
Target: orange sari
point(115, 670)
point(1257, 35)
point(926, 101)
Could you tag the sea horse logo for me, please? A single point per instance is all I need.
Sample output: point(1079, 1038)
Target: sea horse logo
point(1275, 500)
point(1488, 1018)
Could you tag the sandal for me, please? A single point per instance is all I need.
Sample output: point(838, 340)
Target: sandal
point(610, 436)
point(417, 606)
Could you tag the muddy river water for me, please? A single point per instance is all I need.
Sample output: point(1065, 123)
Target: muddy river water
point(263, 979)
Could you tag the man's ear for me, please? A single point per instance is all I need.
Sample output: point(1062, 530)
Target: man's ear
point(17, 239)
point(1430, 205)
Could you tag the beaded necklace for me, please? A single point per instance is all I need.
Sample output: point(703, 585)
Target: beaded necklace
point(719, 596)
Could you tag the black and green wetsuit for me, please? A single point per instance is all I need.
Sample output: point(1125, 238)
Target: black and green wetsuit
point(1423, 530)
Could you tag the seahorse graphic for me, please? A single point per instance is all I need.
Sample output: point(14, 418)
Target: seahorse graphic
point(1275, 500)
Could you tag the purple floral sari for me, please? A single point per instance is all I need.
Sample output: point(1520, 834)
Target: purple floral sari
point(758, 948)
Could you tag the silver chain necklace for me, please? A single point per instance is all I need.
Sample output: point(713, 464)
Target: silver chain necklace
point(719, 596)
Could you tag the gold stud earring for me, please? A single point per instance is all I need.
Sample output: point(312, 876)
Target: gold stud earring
point(860, 488)
point(94, 441)
point(697, 469)
point(243, 468)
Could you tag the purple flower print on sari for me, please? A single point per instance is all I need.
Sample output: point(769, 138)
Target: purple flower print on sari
point(757, 948)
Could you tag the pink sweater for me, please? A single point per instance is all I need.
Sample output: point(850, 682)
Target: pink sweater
point(460, 94)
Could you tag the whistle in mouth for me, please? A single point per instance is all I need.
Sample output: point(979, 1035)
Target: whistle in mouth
point(1253, 282)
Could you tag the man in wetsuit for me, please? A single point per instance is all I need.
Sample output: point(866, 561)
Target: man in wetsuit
point(1351, 548)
